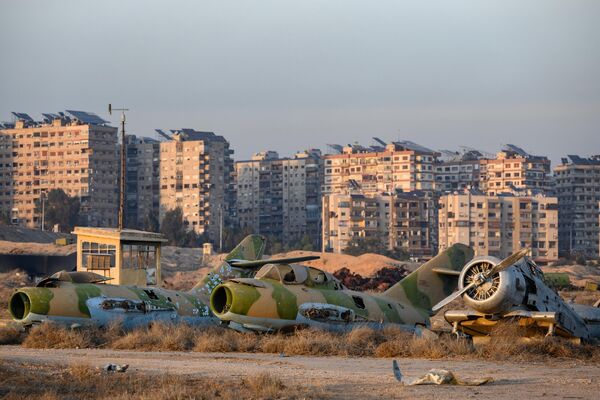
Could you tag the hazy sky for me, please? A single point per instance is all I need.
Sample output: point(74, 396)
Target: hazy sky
point(288, 75)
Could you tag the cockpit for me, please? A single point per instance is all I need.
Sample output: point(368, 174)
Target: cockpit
point(296, 274)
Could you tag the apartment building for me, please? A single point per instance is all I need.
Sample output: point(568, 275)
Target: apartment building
point(500, 225)
point(514, 170)
point(398, 165)
point(281, 197)
point(458, 170)
point(401, 220)
point(196, 171)
point(142, 200)
point(74, 151)
point(578, 191)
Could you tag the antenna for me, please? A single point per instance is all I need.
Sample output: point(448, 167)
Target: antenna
point(123, 164)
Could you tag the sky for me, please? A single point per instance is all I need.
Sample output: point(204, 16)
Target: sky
point(290, 75)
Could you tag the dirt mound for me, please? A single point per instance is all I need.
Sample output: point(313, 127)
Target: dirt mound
point(20, 234)
point(578, 274)
point(365, 265)
point(28, 248)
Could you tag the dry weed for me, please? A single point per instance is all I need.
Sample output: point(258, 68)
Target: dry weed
point(82, 381)
point(53, 336)
point(157, 337)
point(214, 339)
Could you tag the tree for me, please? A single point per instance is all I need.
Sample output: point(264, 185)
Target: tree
point(61, 209)
point(173, 228)
point(4, 218)
point(151, 223)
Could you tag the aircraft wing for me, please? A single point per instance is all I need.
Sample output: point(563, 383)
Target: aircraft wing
point(260, 263)
point(534, 323)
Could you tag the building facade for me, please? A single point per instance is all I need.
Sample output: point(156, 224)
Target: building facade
point(458, 171)
point(578, 191)
point(398, 165)
point(281, 197)
point(142, 201)
point(400, 220)
point(74, 151)
point(500, 225)
point(195, 175)
point(515, 170)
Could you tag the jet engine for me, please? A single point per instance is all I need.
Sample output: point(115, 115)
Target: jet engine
point(496, 292)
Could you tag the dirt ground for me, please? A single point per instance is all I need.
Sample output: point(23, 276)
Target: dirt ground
point(344, 377)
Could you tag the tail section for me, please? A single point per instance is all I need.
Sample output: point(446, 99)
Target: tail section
point(249, 249)
point(432, 281)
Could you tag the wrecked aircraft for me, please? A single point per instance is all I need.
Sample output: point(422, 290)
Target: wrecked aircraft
point(283, 296)
point(514, 290)
point(84, 298)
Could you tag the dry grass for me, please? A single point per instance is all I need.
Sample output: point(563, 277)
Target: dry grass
point(53, 336)
point(10, 334)
point(390, 342)
point(82, 381)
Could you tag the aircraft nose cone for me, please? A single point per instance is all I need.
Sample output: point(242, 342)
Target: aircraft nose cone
point(221, 300)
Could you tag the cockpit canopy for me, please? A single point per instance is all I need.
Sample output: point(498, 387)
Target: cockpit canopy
point(296, 274)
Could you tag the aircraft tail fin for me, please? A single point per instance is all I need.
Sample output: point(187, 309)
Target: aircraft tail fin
point(432, 281)
point(251, 248)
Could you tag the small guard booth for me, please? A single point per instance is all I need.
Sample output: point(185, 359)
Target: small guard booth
point(128, 256)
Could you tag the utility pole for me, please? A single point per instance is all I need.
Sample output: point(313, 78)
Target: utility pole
point(43, 198)
point(123, 164)
point(221, 228)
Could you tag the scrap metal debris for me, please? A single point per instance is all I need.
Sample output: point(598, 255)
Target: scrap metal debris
point(115, 367)
point(437, 377)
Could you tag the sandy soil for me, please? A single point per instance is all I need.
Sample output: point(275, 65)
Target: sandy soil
point(365, 265)
point(347, 377)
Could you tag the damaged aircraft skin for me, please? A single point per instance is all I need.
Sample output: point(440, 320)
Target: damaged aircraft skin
point(286, 296)
point(514, 290)
point(82, 298)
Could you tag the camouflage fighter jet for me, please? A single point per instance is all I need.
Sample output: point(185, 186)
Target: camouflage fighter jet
point(82, 298)
point(284, 296)
point(514, 290)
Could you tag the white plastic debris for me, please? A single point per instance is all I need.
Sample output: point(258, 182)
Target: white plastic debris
point(116, 367)
point(437, 377)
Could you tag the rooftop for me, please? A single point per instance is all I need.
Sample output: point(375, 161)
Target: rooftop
point(121, 234)
point(68, 117)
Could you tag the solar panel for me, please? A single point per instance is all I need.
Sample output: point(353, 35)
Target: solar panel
point(86, 117)
point(50, 117)
point(23, 116)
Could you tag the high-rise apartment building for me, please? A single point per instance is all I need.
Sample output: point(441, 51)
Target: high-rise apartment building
point(281, 197)
point(74, 151)
point(142, 199)
point(195, 175)
point(578, 190)
point(514, 170)
point(398, 219)
point(377, 169)
point(500, 225)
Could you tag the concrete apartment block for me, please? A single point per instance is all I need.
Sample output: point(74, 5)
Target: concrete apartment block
point(74, 151)
point(512, 170)
point(378, 169)
point(142, 181)
point(196, 175)
point(406, 220)
point(280, 197)
point(500, 225)
point(578, 191)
